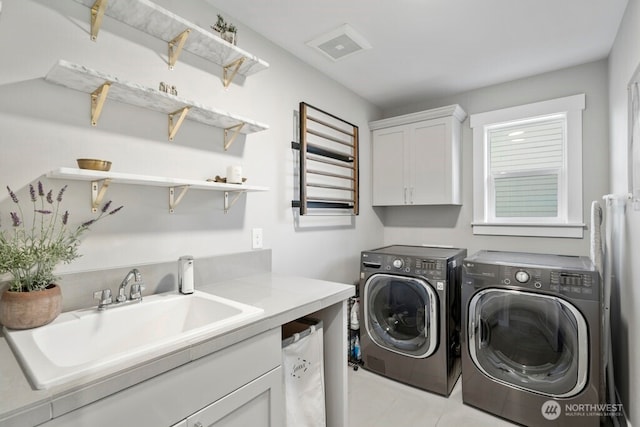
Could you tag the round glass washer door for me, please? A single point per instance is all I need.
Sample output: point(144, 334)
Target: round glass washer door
point(401, 314)
point(530, 341)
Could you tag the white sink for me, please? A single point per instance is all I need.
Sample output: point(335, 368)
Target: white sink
point(82, 342)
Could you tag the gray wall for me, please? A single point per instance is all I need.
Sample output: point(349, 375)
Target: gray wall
point(447, 225)
point(45, 126)
point(624, 59)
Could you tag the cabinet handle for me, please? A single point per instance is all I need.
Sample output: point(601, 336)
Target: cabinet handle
point(405, 195)
point(411, 194)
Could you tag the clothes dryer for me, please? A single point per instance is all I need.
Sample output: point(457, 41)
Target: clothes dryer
point(410, 314)
point(531, 349)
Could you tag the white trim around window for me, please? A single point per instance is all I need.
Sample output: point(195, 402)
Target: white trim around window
point(569, 222)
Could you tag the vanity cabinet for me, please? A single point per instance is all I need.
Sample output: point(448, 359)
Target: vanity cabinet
point(238, 385)
point(417, 158)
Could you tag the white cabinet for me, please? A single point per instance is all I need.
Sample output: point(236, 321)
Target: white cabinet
point(417, 158)
point(240, 382)
point(257, 404)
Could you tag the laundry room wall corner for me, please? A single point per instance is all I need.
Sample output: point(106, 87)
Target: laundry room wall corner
point(445, 226)
point(623, 61)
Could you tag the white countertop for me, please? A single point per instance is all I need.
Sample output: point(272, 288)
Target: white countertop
point(283, 299)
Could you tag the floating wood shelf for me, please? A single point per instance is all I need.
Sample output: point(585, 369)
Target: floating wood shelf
point(103, 86)
point(178, 187)
point(179, 33)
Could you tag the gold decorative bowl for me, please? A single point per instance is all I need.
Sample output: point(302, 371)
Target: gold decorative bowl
point(94, 164)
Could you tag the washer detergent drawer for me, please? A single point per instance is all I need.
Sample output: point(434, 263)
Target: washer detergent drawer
point(401, 314)
point(530, 341)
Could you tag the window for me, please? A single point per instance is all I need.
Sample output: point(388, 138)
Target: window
point(527, 169)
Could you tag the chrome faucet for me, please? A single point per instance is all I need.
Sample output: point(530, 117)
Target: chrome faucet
point(105, 298)
point(133, 274)
point(135, 291)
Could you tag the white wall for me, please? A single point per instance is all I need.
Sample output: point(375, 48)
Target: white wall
point(447, 225)
point(45, 126)
point(624, 58)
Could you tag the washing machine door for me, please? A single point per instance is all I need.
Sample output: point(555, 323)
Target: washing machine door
point(530, 341)
point(401, 314)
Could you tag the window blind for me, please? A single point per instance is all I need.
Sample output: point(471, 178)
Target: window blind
point(527, 196)
point(525, 163)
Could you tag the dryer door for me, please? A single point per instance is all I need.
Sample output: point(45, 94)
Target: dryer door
point(401, 314)
point(530, 341)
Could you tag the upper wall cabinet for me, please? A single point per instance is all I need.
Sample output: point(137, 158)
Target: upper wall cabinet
point(417, 158)
point(179, 33)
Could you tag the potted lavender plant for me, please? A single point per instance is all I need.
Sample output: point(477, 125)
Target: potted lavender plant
point(29, 254)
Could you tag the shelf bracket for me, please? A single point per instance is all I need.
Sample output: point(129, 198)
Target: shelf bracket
point(228, 140)
point(173, 200)
point(175, 47)
point(98, 97)
point(228, 203)
point(174, 126)
point(98, 190)
point(97, 13)
point(230, 70)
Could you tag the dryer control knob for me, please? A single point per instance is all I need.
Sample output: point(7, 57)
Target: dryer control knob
point(398, 263)
point(522, 276)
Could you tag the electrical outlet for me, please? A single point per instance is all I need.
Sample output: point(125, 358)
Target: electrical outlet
point(256, 238)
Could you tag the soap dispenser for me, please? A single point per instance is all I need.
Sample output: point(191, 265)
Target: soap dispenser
point(185, 274)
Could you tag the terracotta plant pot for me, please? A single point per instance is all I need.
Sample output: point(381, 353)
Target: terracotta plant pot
point(26, 310)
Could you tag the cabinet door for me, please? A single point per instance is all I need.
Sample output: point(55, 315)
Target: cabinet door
point(175, 395)
point(388, 166)
point(430, 163)
point(257, 404)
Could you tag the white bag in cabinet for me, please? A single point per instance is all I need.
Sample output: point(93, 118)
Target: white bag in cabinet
point(303, 366)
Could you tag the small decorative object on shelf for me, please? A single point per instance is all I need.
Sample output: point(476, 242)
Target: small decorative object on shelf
point(30, 254)
point(167, 88)
point(219, 178)
point(228, 32)
point(94, 164)
point(234, 174)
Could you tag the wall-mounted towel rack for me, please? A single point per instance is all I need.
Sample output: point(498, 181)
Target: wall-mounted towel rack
point(328, 165)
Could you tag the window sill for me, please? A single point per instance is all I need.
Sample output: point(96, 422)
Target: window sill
point(573, 230)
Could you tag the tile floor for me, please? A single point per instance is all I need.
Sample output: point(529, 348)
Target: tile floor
point(376, 401)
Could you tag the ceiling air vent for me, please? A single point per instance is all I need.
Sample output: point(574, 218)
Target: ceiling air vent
point(339, 43)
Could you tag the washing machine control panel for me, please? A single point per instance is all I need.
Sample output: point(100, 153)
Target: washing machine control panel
point(555, 281)
point(431, 268)
point(570, 281)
